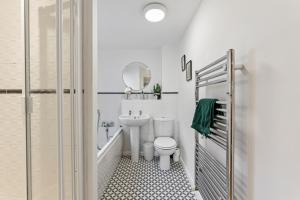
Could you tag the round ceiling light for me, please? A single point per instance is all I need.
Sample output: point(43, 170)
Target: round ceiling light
point(155, 12)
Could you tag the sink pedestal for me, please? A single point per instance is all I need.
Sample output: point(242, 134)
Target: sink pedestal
point(134, 122)
point(135, 143)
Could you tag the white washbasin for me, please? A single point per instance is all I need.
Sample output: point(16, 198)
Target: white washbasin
point(134, 120)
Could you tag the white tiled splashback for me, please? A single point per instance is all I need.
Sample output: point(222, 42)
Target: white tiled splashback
point(166, 107)
point(156, 108)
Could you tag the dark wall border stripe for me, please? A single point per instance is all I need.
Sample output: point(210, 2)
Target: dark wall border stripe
point(2, 91)
point(170, 92)
point(10, 91)
point(66, 91)
point(33, 91)
point(136, 93)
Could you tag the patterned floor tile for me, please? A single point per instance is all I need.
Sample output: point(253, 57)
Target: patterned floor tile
point(145, 181)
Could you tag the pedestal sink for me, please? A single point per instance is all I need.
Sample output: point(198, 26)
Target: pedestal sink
point(134, 122)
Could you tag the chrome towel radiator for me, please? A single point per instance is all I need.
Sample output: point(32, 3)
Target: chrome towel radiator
point(213, 180)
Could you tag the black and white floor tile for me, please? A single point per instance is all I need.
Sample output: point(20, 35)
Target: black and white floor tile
point(145, 181)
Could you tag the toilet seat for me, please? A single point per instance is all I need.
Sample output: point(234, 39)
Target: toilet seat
point(165, 143)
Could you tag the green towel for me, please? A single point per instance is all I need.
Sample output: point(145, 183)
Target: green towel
point(204, 115)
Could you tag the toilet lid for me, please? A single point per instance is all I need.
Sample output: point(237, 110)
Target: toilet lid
point(165, 143)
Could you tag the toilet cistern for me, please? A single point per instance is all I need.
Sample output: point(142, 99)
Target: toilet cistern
point(164, 143)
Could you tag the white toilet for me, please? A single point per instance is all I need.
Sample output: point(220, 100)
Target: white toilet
point(164, 144)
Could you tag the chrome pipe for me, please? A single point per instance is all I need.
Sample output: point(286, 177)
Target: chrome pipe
point(212, 64)
point(221, 117)
point(218, 131)
point(221, 126)
point(214, 181)
point(73, 100)
point(219, 120)
point(219, 134)
point(218, 138)
point(223, 80)
point(217, 126)
point(230, 124)
point(28, 100)
point(218, 67)
point(216, 75)
point(221, 110)
point(211, 186)
point(221, 183)
point(214, 163)
point(218, 142)
point(59, 72)
point(202, 188)
point(222, 102)
point(205, 185)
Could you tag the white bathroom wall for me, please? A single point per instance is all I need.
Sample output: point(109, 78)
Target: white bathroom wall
point(113, 61)
point(170, 68)
point(111, 65)
point(265, 35)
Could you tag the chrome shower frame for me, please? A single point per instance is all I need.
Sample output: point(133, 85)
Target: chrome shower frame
point(75, 92)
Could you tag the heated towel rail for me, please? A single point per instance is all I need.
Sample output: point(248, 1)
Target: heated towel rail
point(214, 180)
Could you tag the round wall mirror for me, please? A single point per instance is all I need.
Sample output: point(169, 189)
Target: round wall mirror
point(136, 76)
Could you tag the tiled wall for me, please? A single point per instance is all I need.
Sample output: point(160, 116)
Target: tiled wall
point(44, 116)
point(12, 148)
point(12, 120)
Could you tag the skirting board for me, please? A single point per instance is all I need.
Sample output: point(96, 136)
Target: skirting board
point(126, 153)
point(191, 180)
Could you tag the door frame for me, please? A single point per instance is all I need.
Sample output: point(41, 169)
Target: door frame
point(90, 73)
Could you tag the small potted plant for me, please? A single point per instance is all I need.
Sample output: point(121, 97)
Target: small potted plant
point(157, 90)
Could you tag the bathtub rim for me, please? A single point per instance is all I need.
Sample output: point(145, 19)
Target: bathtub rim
point(108, 146)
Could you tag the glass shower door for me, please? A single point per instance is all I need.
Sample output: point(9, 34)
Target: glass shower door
point(50, 90)
point(37, 142)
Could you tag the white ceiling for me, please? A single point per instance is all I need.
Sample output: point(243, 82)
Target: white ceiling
point(122, 23)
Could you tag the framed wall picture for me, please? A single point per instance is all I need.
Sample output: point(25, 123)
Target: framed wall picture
point(183, 62)
point(189, 71)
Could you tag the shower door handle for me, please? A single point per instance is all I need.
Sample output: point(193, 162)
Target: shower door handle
point(29, 105)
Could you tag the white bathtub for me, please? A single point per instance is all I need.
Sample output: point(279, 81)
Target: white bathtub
point(104, 135)
point(108, 159)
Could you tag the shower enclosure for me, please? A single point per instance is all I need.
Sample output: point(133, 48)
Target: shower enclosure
point(40, 100)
